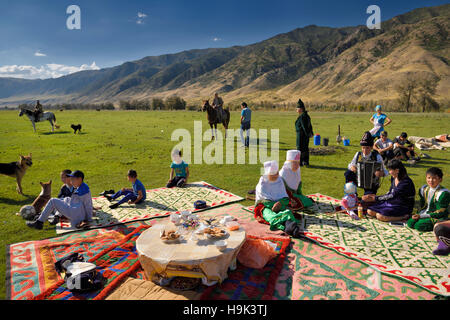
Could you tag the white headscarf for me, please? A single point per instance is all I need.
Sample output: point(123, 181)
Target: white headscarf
point(290, 177)
point(268, 190)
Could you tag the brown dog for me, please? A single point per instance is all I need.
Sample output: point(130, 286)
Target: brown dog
point(45, 195)
point(17, 170)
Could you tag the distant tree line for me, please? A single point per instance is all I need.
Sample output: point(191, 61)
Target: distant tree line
point(170, 103)
point(72, 106)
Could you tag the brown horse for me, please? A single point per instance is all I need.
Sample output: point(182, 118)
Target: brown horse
point(212, 118)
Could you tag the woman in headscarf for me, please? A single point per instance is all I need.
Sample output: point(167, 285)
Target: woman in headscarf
point(291, 175)
point(271, 206)
point(379, 121)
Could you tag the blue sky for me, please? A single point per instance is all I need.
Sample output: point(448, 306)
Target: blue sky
point(33, 34)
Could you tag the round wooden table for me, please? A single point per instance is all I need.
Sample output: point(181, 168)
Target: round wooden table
point(187, 258)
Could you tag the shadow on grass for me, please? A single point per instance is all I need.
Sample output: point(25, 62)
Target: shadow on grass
point(27, 200)
point(56, 132)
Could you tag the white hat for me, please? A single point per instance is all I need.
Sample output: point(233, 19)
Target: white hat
point(270, 167)
point(293, 155)
point(350, 188)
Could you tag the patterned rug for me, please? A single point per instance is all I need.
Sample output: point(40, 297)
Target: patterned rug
point(251, 284)
point(312, 272)
point(159, 203)
point(398, 251)
point(115, 264)
point(30, 265)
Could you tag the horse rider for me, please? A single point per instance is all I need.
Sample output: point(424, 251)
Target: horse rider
point(218, 105)
point(37, 111)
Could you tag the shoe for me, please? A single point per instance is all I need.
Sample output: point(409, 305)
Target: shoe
point(110, 199)
point(107, 192)
point(114, 206)
point(54, 220)
point(35, 224)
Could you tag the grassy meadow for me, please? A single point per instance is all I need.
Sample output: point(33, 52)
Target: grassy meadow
point(112, 142)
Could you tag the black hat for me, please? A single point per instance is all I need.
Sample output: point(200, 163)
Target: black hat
point(384, 133)
point(77, 174)
point(404, 135)
point(300, 104)
point(366, 140)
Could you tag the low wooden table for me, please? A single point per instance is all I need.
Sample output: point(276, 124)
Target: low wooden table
point(188, 258)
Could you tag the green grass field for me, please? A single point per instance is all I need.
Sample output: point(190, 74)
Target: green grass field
point(112, 142)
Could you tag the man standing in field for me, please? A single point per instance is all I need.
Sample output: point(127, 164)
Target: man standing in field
point(304, 133)
point(218, 105)
point(246, 117)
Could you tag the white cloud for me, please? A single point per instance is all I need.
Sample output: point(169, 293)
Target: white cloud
point(39, 54)
point(216, 39)
point(51, 70)
point(141, 17)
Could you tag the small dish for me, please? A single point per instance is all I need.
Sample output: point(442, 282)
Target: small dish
point(221, 245)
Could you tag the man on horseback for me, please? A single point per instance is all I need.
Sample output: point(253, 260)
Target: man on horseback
point(38, 110)
point(218, 105)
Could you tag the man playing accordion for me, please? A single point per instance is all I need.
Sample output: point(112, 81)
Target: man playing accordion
point(368, 157)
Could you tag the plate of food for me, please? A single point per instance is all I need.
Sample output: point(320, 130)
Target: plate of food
point(171, 236)
point(215, 233)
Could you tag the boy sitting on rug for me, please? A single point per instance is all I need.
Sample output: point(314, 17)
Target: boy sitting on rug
point(180, 169)
point(272, 202)
point(366, 154)
point(404, 149)
point(291, 175)
point(434, 202)
point(136, 195)
point(65, 191)
point(77, 208)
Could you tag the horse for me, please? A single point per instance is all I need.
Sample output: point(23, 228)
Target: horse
point(45, 116)
point(212, 118)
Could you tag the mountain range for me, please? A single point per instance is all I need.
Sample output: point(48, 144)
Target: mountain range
point(319, 64)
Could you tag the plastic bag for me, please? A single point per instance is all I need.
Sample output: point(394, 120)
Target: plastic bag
point(255, 253)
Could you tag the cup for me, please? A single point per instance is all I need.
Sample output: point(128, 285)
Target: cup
point(185, 214)
point(221, 245)
point(175, 218)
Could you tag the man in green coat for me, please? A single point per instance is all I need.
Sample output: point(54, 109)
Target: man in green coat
point(304, 131)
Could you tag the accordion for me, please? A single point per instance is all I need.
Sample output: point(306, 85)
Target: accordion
point(366, 174)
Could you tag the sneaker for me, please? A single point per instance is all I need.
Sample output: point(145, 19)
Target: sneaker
point(114, 206)
point(54, 220)
point(104, 193)
point(110, 199)
point(35, 224)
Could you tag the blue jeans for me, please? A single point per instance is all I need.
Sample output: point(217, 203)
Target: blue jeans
point(128, 195)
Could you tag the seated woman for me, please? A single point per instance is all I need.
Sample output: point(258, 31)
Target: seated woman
point(272, 201)
point(290, 173)
point(398, 203)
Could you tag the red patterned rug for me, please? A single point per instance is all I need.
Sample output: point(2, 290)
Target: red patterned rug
point(115, 264)
point(251, 284)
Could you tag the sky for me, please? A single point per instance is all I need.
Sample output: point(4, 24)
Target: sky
point(35, 41)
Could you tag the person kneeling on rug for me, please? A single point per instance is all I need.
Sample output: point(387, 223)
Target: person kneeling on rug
point(398, 203)
point(442, 232)
point(77, 208)
point(272, 202)
point(291, 175)
point(136, 195)
point(434, 202)
point(180, 169)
